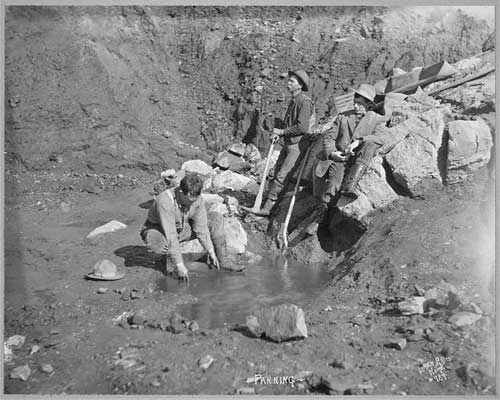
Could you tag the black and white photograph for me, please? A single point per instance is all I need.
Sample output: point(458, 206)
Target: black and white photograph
point(249, 199)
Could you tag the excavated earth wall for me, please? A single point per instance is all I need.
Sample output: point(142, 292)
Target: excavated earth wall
point(110, 88)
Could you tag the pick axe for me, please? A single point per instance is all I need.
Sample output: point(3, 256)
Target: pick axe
point(258, 200)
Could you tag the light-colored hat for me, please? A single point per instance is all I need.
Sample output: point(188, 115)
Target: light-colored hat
point(105, 270)
point(303, 78)
point(366, 91)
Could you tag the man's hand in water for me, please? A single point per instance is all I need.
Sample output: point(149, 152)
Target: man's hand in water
point(182, 272)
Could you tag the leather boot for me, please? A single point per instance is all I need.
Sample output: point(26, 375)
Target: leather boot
point(351, 182)
point(220, 247)
point(312, 228)
point(275, 188)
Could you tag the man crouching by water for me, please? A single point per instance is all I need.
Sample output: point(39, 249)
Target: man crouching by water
point(178, 215)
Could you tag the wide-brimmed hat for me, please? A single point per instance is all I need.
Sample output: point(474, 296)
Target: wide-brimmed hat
point(366, 91)
point(303, 78)
point(105, 270)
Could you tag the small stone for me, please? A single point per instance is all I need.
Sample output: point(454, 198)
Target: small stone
point(205, 362)
point(398, 344)
point(102, 290)
point(327, 308)
point(193, 326)
point(139, 318)
point(156, 382)
point(34, 349)
point(15, 342)
point(23, 372)
point(65, 207)
point(8, 355)
point(245, 390)
point(464, 318)
point(46, 368)
point(414, 305)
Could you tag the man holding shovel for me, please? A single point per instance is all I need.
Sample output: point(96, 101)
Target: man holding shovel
point(294, 129)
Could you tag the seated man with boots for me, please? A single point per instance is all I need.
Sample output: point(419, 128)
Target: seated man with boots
point(295, 127)
point(178, 214)
point(350, 136)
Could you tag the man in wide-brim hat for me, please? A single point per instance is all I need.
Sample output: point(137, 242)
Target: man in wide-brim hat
point(351, 134)
point(293, 131)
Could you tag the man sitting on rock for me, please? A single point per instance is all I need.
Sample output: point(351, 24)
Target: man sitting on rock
point(178, 214)
point(350, 136)
point(295, 127)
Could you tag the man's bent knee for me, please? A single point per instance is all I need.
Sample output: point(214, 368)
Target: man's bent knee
point(155, 241)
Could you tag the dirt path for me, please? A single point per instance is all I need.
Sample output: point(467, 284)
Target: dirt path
point(445, 235)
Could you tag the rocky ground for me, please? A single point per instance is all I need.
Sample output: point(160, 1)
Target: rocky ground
point(97, 111)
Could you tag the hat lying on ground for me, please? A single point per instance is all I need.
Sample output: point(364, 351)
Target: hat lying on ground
point(105, 270)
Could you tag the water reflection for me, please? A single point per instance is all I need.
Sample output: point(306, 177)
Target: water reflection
point(227, 298)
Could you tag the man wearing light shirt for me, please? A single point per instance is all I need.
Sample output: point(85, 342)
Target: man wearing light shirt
point(177, 215)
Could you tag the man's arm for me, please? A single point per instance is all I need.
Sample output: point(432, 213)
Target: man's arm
point(166, 213)
point(200, 226)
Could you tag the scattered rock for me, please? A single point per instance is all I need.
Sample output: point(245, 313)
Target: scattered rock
point(236, 236)
point(252, 153)
point(398, 344)
point(469, 148)
point(344, 361)
point(15, 342)
point(193, 326)
point(8, 355)
point(197, 166)
point(23, 372)
point(416, 335)
point(231, 180)
point(65, 207)
point(463, 318)
point(34, 349)
point(46, 368)
point(278, 323)
point(238, 149)
point(228, 161)
point(106, 228)
point(102, 290)
point(139, 318)
point(245, 390)
point(414, 305)
point(444, 295)
point(205, 362)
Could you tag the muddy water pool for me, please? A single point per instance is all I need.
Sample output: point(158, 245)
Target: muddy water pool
point(225, 298)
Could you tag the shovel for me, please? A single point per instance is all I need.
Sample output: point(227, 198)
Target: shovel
point(283, 234)
point(258, 200)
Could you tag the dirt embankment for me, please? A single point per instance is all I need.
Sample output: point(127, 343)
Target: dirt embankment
point(109, 88)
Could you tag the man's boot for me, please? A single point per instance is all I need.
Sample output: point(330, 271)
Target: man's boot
point(220, 247)
point(275, 188)
point(312, 228)
point(350, 184)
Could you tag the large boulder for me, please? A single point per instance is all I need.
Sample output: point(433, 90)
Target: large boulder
point(236, 237)
point(278, 323)
point(373, 193)
point(234, 181)
point(198, 167)
point(227, 160)
point(469, 148)
point(416, 156)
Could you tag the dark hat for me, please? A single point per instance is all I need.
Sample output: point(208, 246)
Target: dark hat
point(303, 78)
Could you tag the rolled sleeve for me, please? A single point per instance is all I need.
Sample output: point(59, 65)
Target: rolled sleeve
point(167, 219)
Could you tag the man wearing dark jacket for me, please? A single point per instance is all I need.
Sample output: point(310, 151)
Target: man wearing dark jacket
point(295, 128)
point(351, 135)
